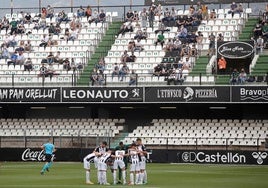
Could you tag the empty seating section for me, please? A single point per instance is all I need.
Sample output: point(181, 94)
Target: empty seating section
point(202, 132)
point(80, 49)
point(61, 127)
point(152, 55)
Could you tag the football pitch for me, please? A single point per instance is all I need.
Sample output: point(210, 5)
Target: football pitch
point(61, 175)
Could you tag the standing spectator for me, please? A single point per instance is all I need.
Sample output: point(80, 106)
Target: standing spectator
point(151, 17)
point(199, 41)
point(80, 12)
point(132, 78)
point(14, 26)
point(28, 64)
point(144, 17)
point(222, 65)
point(211, 50)
point(257, 31)
point(160, 39)
point(259, 45)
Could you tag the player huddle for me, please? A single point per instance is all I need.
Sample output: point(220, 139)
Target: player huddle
point(117, 160)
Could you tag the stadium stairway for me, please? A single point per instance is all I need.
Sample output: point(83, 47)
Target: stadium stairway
point(245, 35)
point(261, 66)
point(247, 31)
point(200, 66)
point(101, 51)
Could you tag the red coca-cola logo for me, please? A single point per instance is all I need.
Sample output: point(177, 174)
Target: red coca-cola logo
point(29, 155)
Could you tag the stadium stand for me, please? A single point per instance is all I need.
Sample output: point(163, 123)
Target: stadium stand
point(208, 132)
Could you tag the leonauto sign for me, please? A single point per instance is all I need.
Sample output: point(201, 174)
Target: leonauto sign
point(235, 49)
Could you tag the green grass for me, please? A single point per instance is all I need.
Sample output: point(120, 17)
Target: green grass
point(72, 175)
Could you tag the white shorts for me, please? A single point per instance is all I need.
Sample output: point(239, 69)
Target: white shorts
point(142, 165)
point(134, 167)
point(96, 160)
point(119, 163)
point(102, 166)
point(86, 164)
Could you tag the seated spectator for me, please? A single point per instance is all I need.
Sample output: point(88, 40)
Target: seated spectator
point(51, 28)
point(265, 31)
point(160, 39)
point(21, 58)
point(169, 45)
point(101, 65)
point(5, 24)
point(13, 59)
point(44, 41)
point(50, 12)
point(189, 22)
point(239, 9)
point(57, 58)
point(124, 57)
point(43, 24)
point(88, 12)
point(131, 58)
point(212, 14)
point(234, 77)
point(139, 34)
point(50, 58)
point(220, 38)
point(5, 53)
point(73, 35)
point(233, 9)
point(43, 12)
point(50, 71)
point(115, 70)
point(177, 45)
point(242, 78)
point(131, 45)
point(102, 16)
point(28, 64)
point(123, 71)
point(132, 78)
point(21, 46)
point(28, 46)
point(94, 17)
point(80, 12)
point(129, 16)
point(62, 17)
point(27, 18)
point(180, 21)
point(135, 16)
point(157, 70)
point(138, 46)
point(182, 32)
point(204, 12)
point(42, 71)
point(12, 40)
point(161, 28)
point(66, 64)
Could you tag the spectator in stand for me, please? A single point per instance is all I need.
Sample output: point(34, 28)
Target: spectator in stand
point(257, 31)
point(211, 48)
point(129, 16)
point(13, 59)
point(80, 12)
point(4, 24)
point(138, 46)
point(177, 45)
point(14, 26)
point(180, 21)
point(220, 37)
point(42, 71)
point(212, 14)
point(191, 10)
point(135, 16)
point(131, 58)
point(5, 53)
point(27, 18)
point(131, 45)
point(132, 78)
point(169, 45)
point(139, 34)
point(126, 27)
point(239, 9)
point(233, 9)
point(144, 17)
point(50, 12)
point(222, 65)
point(50, 58)
point(151, 17)
point(94, 77)
point(115, 70)
point(123, 71)
point(124, 57)
point(28, 46)
point(259, 45)
point(57, 58)
point(102, 16)
point(242, 78)
point(94, 17)
point(73, 35)
point(50, 71)
point(88, 12)
point(45, 41)
point(234, 77)
point(21, 59)
point(100, 66)
point(205, 12)
point(198, 5)
point(160, 39)
point(43, 12)
point(21, 29)
point(28, 65)
point(182, 32)
point(265, 31)
point(161, 28)
point(66, 64)
point(62, 17)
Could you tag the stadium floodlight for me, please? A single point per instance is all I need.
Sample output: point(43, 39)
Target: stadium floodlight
point(126, 107)
point(38, 107)
point(76, 107)
point(168, 107)
point(217, 107)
